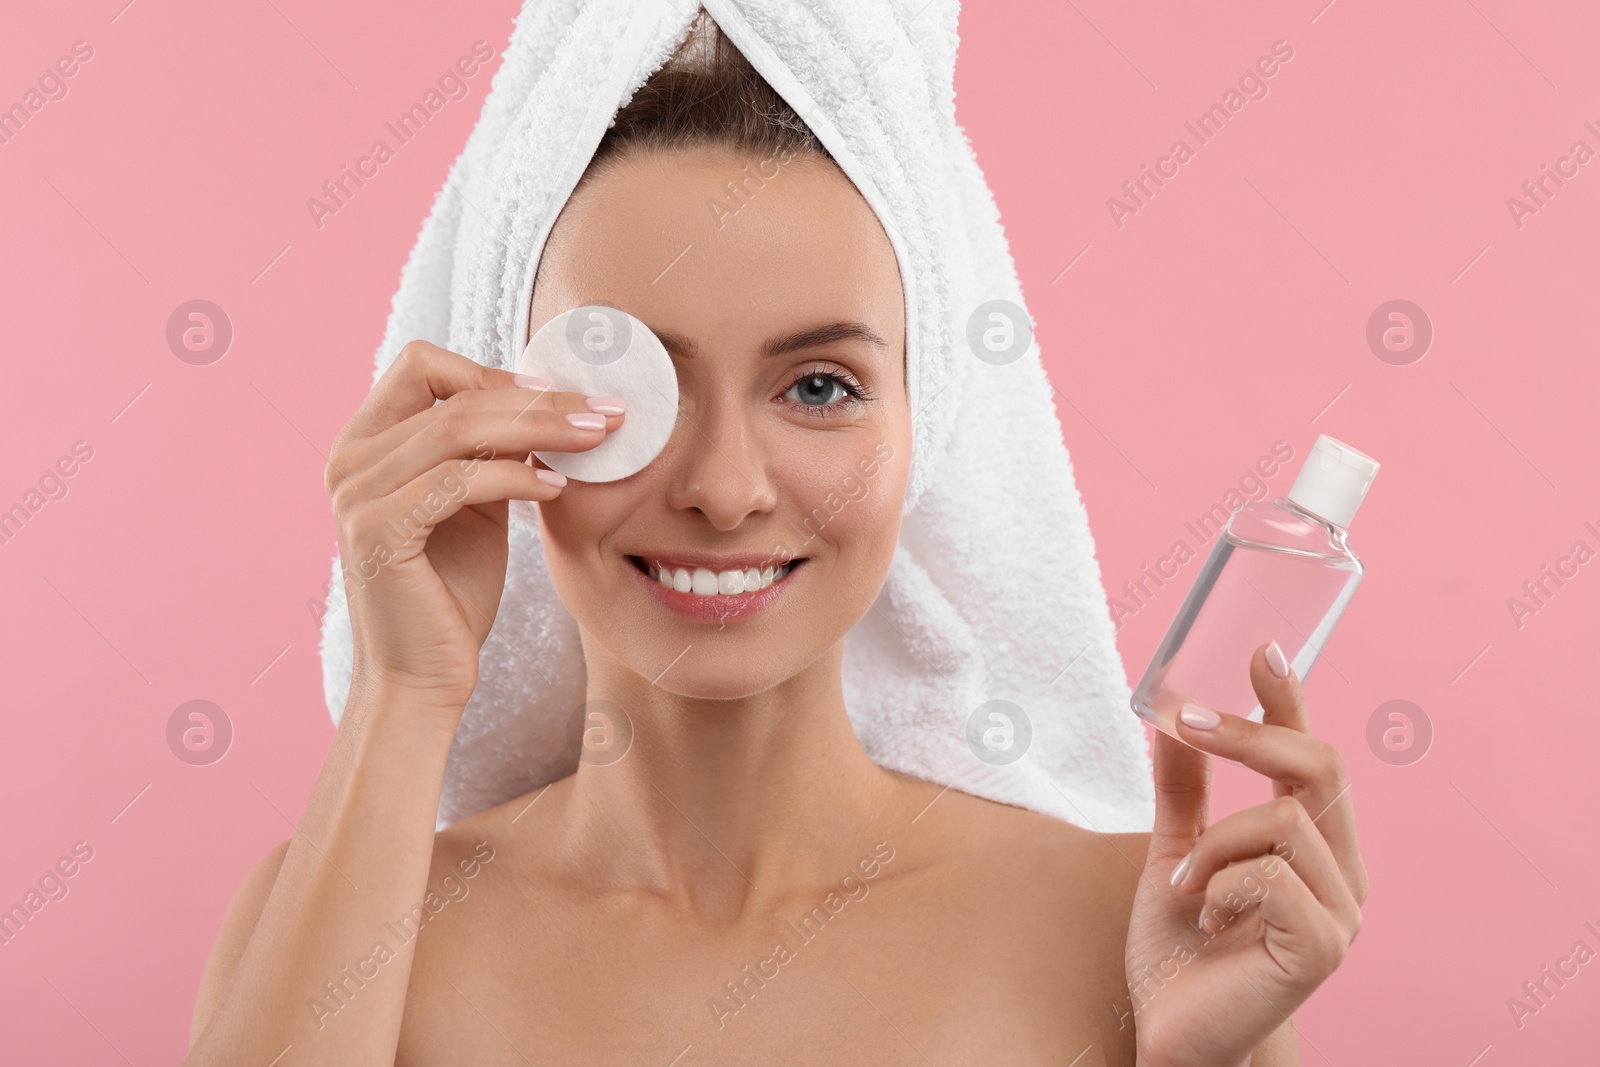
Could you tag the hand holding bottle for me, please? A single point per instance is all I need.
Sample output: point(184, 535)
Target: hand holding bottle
point(1234, 925)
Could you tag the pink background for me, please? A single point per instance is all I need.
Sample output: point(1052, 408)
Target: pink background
point(1228, 313)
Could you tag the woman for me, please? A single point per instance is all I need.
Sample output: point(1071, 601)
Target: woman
point(747, 885)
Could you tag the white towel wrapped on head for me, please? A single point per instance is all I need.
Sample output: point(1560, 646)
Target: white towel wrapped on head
point(992, 635)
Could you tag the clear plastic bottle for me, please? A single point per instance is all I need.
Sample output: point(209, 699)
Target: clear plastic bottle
point(1280, 570)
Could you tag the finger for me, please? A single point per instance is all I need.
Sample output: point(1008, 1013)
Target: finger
point(1304, 938)
point(1232, 890)
point(420, 375)
point(1300, 765)
point(1281, 830)
point(1327, 797)
point(1182, 786)
point(514, 407)
point(401, 521)
point(488, 423)
point(1285, 755)
point(1282, 702)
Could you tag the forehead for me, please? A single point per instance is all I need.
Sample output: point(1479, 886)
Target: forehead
point(713, 243)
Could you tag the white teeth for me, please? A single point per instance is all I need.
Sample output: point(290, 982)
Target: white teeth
point(702, 581)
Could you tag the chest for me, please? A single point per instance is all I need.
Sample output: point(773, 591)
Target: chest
point(898, 977)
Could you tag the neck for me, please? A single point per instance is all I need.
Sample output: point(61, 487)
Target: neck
point(727, 804)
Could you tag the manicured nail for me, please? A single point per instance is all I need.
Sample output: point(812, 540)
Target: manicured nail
point(583, 420)
point(1181, 869)
point(1200, 718)
point(555, 478)
point(528, 381)
point(1275, 661)
point(606, 405)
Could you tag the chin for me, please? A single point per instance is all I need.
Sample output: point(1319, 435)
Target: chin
point(706, 682)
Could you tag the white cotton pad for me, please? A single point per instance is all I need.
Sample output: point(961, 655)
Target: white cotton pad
point(601, 351)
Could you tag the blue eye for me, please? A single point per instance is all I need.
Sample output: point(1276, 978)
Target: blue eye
point(821, 393)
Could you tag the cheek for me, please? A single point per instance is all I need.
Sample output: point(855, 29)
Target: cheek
point(854, 500)
point(573, 526)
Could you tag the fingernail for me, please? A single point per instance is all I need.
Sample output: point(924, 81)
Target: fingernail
point(1181, 869)
point(1200, 718)
point(555, 478)
point(585, 421)
point(1275, 661)
point(528, 381)
point(606, 405)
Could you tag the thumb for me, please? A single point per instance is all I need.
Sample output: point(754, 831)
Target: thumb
point(1183, 785)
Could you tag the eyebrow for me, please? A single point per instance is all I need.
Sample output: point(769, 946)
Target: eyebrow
point(800, 340)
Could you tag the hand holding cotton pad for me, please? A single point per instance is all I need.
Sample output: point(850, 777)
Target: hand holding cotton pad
point(601, 351)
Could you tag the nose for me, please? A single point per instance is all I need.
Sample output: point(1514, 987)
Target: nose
point(720, 466)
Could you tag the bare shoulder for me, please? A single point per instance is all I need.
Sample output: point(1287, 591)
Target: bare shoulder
point(1048, 904)
point(1062, 894)
point(1059, 857)
point(1044, 872)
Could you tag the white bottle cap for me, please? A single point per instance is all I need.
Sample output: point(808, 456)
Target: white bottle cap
point(1333, 480)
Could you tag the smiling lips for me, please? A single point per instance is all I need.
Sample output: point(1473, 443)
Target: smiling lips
point(727, 589)
point(703, 581)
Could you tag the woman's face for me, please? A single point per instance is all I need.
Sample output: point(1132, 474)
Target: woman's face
point(787, 446)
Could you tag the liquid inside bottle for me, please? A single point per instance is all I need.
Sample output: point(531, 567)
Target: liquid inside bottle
point(1278, 571)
